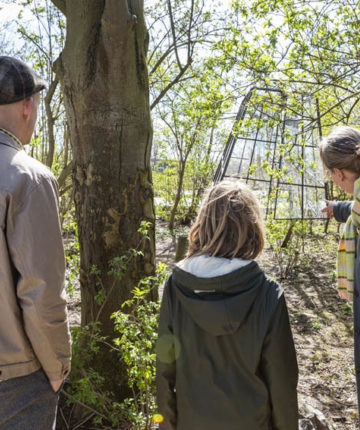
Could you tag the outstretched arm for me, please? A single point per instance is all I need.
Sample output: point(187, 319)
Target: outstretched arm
point(342, 211)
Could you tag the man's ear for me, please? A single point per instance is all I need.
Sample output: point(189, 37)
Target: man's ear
point(28, 105)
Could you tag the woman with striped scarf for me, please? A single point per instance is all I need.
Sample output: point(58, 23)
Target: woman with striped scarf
point(340, 154)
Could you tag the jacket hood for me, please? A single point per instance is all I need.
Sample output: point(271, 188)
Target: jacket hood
point(219, 305)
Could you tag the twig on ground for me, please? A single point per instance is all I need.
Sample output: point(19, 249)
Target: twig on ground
point(64, 419)
point(84, 405)
point(83, 421)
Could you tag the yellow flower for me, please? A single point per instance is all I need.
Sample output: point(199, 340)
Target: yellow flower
point(157, 418)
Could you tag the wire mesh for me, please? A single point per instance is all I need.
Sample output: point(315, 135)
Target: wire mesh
point(277, 155)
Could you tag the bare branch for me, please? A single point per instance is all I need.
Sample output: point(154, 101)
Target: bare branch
point(50, 120)
point(35, 43)
point(189, 30)
point(170, 85)
point(64, 175)
point(173, 33)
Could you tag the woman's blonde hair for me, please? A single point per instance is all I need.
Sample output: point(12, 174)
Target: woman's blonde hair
point(341, 149)
point(229, 223)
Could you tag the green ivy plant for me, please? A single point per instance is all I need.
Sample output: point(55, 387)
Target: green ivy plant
point(136, 325)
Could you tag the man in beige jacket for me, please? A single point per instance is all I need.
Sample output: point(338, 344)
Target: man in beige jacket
point(34, 334)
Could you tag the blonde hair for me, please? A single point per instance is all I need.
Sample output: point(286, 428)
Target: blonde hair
point(341, 149)
point(229, 223)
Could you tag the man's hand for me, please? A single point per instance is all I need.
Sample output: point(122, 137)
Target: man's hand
point(329, 209)
point(55, 385)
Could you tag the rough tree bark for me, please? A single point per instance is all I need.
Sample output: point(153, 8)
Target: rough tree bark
point(104, 77)
point(50, 122)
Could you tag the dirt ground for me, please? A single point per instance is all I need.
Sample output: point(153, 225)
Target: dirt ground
point(322, 330)
point(321, 324)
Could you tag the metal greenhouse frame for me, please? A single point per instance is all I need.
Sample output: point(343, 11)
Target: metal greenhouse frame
point(277, 155)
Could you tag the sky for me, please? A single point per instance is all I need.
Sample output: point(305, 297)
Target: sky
point(8, 14)
point(9, 11)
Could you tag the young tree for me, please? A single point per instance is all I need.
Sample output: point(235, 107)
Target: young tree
point(43, 40)
point(188, 96)
point(190, 114)
point(178, 31)
point(37, 37)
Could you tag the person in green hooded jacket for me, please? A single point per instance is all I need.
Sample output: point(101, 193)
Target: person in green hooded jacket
point(225, 352)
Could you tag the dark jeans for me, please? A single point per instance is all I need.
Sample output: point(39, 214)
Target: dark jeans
point(27, 403)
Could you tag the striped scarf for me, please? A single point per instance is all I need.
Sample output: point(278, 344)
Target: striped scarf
point(347, 248)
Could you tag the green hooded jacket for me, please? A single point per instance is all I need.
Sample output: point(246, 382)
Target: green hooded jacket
point(225, 353)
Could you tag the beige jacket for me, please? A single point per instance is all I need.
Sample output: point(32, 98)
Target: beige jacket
point(34, 329)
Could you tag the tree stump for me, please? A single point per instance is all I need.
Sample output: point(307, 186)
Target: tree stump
point(182, 243)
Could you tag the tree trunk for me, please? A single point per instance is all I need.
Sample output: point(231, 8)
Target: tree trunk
point(203, 183)
point(50, 123)
point(178, 195)
point(103, 74)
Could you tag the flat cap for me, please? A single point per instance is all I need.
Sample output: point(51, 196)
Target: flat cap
point(17, 81)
